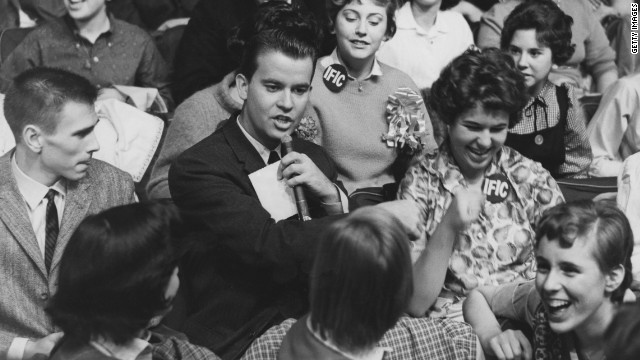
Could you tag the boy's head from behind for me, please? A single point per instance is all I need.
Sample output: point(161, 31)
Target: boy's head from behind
point(537, 34)
point(364, 254)
point(118, 272)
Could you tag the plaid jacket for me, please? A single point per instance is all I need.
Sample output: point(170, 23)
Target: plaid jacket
point(410, 338)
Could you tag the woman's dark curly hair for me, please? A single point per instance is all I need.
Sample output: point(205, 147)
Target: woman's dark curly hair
point(276, 26)
point(334, 7)
point(486, 79)
point(552, 26)
point(603, 223)
point(115, 271)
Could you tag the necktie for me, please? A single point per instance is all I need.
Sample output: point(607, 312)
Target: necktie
point(51, 228)
point(273, 157)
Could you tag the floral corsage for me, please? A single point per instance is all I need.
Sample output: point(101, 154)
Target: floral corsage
point(406, 122)
point(307, 129)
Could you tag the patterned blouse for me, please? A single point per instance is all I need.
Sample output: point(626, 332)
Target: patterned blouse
point(498, 247)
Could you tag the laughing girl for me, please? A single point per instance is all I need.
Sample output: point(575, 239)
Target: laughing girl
point(584, 268)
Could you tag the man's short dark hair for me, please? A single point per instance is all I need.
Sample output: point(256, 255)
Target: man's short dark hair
point(115, 271)
point(361, 281)
point(276, 26)
point(552, 26)
point(36, 96)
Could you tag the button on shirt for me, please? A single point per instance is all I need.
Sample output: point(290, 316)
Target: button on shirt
point(123, 55)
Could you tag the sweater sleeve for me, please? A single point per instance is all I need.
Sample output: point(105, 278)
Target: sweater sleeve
point(599, 56)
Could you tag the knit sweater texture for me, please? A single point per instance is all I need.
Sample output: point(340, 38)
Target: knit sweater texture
point(196, 118)
point(353, 121)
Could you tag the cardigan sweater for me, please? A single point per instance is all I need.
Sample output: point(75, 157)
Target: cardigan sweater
point(196, 118)
point(353, 121)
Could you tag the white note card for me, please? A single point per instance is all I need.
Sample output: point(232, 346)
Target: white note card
point(274, 195)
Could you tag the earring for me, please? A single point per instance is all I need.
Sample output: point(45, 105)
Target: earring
point(554, 67)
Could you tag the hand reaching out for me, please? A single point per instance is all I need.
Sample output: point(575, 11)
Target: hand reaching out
point(511, 345)
point(465, 207)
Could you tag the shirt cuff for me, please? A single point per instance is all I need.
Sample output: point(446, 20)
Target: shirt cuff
point(16, 349)
point(343, 204)
point(603, 167)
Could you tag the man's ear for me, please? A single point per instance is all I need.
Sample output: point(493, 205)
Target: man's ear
point(242, 84)
point(614, 278)
point(32, 138)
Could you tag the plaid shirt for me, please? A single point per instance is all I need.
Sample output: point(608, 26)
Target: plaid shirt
point(543, 112)
point(410, 338)
point(173, 348)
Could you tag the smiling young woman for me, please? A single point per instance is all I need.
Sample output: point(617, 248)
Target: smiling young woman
point(489, 241)
point(350, 101)
point(584, 268)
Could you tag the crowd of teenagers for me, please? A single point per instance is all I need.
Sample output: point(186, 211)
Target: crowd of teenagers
point(311, 179)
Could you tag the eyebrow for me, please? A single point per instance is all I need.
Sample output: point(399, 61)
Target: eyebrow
point(86, 130)
point(278, 82)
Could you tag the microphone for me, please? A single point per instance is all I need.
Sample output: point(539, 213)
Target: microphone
point(298, 191)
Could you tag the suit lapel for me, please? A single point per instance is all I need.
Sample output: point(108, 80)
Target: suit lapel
point(76, 206)
point(245, 152)
point(13, 213)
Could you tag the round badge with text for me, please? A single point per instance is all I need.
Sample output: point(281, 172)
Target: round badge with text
point(335, 77)
point(496, 188)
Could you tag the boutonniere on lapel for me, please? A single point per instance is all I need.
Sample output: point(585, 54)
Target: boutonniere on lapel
point(307, 129)
point(406, 122)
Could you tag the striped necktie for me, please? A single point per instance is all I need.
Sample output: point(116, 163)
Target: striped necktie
point(51, 228)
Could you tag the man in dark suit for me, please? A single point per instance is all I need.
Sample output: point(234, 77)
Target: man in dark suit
point(48, 184)
point(245, 271)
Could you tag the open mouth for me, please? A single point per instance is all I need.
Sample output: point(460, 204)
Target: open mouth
point(479, 154)
point(556, 307)
point(359, 43)
point(283, 122)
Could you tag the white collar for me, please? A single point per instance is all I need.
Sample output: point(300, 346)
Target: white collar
point(405, 20)
point(262, 150)
point(32, 191)
point(377, 353)
point(376, 70)
point(129, 351)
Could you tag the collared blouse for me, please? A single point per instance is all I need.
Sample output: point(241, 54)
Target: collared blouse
point(498, 247)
